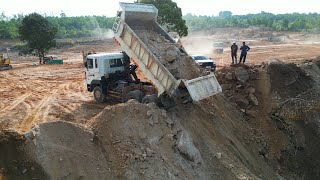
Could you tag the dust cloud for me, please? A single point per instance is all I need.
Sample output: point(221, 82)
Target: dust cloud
point(99, 32)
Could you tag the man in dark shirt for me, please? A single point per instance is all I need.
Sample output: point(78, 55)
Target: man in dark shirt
point(234, 49)
point(244, 49)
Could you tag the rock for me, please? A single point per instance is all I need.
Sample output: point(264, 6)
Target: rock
point(252, 113)
point(149, 114)
point(29, 135)
point(187, 148)
point(226, 86)
point(171, 136)
point(149, 152)
point(250, 90)
point(171, 54)
point(142, 135)
point(164, 113)
point(242, 74)
point(263, 151)
point(253, 99)
point(239, 86)
point(219, 155)
point(137, 151)
point(155, 119)
point(144, 155)
point(169, 122)
point(229, 76)
point(24, 171)
point(243, 110)
point(242, 102)
point(274, 61)
point(150, 121)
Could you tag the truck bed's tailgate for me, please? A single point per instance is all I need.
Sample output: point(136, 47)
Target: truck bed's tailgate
point(202, 87)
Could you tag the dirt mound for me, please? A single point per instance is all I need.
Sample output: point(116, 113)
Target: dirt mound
point(66, 150)
point(135, 141)
point(288, 80)
point(14, 163)
point(186, 142)
point(55, 150)
point(178, 63)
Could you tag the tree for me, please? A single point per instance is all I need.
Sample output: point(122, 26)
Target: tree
point(169, 15)
point(39, 35)
point(225, 14)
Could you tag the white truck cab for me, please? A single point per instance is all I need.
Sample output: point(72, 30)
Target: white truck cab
point(104, 64)
point(111, 73)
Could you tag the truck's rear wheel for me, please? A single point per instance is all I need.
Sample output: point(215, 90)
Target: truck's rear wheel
point(167, 102)
point(98, 95)
point(136, 94)
point(149, 99)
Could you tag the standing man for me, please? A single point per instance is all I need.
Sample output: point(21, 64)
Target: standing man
point(234, 49)
point(244, 49)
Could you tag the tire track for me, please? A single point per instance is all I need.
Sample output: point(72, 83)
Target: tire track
point(34, 115)
point(40, 112)
point(15, 103)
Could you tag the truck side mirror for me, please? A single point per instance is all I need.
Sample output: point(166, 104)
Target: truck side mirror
point(86, 65)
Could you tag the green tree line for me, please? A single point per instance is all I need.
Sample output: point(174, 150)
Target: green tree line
point(280, 22)
point(86, 26)
point(68, 27)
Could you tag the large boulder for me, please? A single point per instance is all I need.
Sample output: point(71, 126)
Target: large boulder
point(242, 74)
point(172, 52)
point(253, 99)
point(229, 76)
point(186, 147)
point(226, 86)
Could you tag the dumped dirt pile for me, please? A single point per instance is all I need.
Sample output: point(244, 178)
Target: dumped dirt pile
point(135, 141)
point(14, 163)
point(55, 150)
point(186, 142)
point(178, 63)
point(281, 103)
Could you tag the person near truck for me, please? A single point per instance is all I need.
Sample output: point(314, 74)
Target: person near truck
point(244, 50)
point(234, 49)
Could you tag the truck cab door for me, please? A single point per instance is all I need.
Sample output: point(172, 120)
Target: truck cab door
point(92, 70)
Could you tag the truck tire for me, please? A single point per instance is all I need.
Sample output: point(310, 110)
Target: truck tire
point(149, 99)
point(136, 94)
point(167, 102)
point(98, 95)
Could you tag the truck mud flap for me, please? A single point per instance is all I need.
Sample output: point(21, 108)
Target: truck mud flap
point(203, 87)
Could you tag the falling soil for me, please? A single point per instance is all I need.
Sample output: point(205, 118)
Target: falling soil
point(176, 61)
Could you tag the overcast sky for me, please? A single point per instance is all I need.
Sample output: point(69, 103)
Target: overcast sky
point(196, 7)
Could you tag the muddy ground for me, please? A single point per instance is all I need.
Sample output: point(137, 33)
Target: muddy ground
point(260, 127)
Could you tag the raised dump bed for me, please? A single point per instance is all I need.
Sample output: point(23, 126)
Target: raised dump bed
point(157, 54)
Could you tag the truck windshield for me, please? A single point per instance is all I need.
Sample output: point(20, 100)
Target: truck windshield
point(200, 58)
point(116, 63)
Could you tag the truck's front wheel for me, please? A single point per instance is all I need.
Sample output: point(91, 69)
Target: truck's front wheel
point(98, 95)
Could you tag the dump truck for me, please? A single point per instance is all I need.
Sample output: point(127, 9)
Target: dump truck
point(110, 74)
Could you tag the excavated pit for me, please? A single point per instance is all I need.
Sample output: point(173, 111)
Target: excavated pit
point(281, 103)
